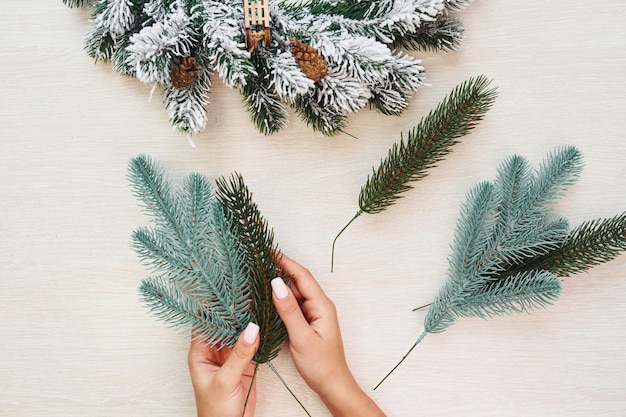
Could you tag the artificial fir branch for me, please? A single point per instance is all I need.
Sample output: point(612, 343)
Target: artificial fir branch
point(260, 251)
point(510, 249)
point(262, 258)
point(357, 39)
point(207, 248)
point(264, 105)
point(592, 243)
point(428, 143)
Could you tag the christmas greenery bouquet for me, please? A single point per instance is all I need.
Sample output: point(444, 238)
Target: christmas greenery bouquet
point(324, 58)
point(511, 249)
point(212, 255)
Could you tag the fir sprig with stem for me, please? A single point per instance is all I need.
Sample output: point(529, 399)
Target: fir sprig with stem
point(215, 255)
point(510, 248)
point(262, 258)
point(427, 144)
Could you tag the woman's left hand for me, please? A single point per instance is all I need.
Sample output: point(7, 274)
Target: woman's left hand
point(221, 378)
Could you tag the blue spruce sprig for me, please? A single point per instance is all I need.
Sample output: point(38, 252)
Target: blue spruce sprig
point(510, 248)
point(202, 277)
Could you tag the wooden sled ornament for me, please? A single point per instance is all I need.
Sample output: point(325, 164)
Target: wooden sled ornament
point(257, 23)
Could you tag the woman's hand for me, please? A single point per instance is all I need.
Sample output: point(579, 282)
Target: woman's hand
point(221, 378)
point(315, 342)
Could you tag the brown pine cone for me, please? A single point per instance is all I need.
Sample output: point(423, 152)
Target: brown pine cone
point(309, 60)
point(184, 72)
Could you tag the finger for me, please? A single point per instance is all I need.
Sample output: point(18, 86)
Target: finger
point(302, 279)
point(296, 293)
point(289, 311)
point(241, 355)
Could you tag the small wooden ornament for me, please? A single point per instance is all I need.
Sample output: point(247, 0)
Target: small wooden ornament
point(257, 23)
point(309, 60)
point(184, 72)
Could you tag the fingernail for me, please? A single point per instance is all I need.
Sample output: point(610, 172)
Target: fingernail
point(250, 333)
point(279, 287)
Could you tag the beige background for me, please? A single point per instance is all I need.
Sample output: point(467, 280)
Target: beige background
point(76, 341)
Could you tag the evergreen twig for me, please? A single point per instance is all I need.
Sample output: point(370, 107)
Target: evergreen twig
point(428, 143)
point(268, 113)
point(264, 265)
point(260, 252)
point(510, 248)
point(203, 281)
point(592, 243)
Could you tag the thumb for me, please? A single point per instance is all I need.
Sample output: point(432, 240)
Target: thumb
point(242, 353)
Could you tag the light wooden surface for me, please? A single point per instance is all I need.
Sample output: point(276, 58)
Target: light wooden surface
point(75, 339)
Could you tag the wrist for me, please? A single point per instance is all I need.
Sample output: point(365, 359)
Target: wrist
point(337, 386)
point(344, 398)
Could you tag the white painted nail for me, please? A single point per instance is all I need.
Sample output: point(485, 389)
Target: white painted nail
point(250, 333)
point(279, 287)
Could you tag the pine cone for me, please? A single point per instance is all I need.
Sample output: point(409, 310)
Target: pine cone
point(184, 72)
point(309, 60)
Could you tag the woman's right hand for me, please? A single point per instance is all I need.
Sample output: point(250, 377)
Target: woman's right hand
point(315, 342)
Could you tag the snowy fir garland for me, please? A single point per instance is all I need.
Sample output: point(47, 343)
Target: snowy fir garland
point(324, 58)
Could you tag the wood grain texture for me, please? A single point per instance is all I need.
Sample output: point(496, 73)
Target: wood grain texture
point(75, 340)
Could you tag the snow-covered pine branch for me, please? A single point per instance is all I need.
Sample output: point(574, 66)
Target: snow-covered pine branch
point(359, 58)
point(391, 95)
point(187, 107)
point(118, 16)
point(384, 20)
point(287, 79)
point(222, 41)
point(155, 48)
